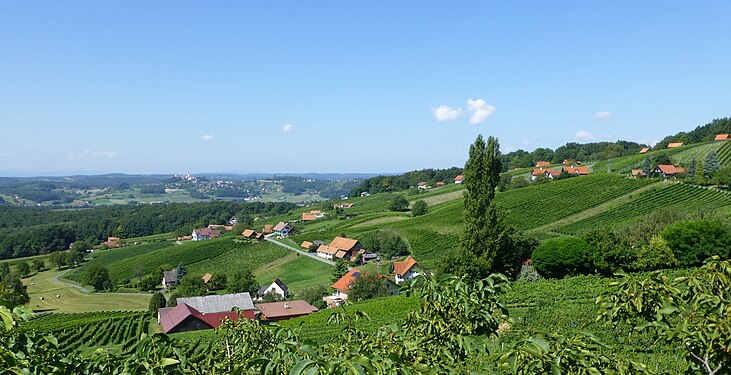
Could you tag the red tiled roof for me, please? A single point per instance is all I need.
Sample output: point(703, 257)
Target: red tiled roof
point(721, 137)
point(459, 178)
point(543, 163)
point(308, 217)
point(669, 169)
point(327, 249)
point(576, 170)
point(306, 244)
point(280, 226)
point(344, 283)
point(249, 233)
point(401, 268)
point(439, 183)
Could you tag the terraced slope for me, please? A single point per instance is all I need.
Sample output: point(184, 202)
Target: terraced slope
point(724, 153)
point(685, 197)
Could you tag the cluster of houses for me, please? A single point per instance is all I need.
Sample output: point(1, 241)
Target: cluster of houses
point(669, 170)
point(403, 271)
point(542, 169)
point(340, 248)
point(312, 215)
point(280, 230)
point(208, 312)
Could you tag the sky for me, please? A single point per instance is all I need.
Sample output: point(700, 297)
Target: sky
point(90, 87)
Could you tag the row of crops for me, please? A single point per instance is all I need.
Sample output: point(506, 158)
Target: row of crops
point(681, 196)
point(724, 153)
point(543, 204)
point(93, 329)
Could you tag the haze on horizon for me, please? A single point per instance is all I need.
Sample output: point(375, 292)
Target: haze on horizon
point(171, 87)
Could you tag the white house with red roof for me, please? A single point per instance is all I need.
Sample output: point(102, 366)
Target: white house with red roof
point(201, 234)
point(406, 270)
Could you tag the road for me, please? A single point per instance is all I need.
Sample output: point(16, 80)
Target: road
point(313, 256)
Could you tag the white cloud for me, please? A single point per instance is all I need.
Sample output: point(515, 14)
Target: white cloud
point(446, 113)
point(480, 110)
point(207, 137)
point(602, 115)
point(287, 128)
point(587, 136)
point(89, 154)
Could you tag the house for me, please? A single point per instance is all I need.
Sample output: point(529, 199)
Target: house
point(422, 185)
point(259, 236)
point(275, 311)
point(111, 244)
point(547, 172)
point(317, 213)
point(204, 234)
point(206, 278)
point(113, 239)
point(638, 173)
point(169, 278)
point(668, 170)
point(439, 183)
point(306, 244)
point(343, 205)
point(543, 164)
point(459, 179)
point(268, 228)
point(566, 161)
point(219, 303)
point(406, 270)
point(342, 286)
point(581, 171)
point(347, 247)
point(644, 150)
point(721, 137)
point(249, 233)
point(326, 252)
point(184, 318)
point(675, 144)
point(282, 229)
point(308, 217)
point(277, 287)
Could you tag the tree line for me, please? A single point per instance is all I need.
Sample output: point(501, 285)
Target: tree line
point(380, 184)
point(33, 231)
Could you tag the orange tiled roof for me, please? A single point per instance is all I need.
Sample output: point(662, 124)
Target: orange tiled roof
point(306, 244)
point(670, 169)
point(675, 144)
point(721, 137)
point(248, 233)
point(543, 163)
point(459, 178)
point(327, 249)
point(401, 268)
point(343, 284)
point(308, 217)
point(343, 243)
point(207, 277)
point(577, 170)
point(638, 172)
point(644, 150)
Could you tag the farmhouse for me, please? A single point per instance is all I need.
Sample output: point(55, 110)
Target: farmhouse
point(249, 233)
point(342, 286)
point(721, 137)
point(581, 171)
point(347, 247)
point(327, 252)
point(282, 229)
point(422, 185)
point(459, 179)
point(547, 172)
point(277, 287)
point(543, 164)
point(439, 183)
point(668, 170)
point(204, 234)
point(675, 144)
point(644, 150)
point(406, 270)
point(169, 278)
point(275, 311)
point(219, 303)
point(184, 318)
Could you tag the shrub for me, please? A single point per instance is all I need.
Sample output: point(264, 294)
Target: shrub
point(156, 302)
point(610, 252)
point(420, 208)
point(692, 241)
point(656, 255)
point(563, 256)
point(399, 203)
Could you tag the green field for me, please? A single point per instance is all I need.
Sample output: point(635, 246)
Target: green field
point(43, 292)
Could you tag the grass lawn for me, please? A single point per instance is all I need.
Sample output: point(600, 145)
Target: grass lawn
point(73, 300)
point(297, 271)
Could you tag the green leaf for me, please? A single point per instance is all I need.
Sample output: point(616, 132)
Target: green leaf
point(168, 362)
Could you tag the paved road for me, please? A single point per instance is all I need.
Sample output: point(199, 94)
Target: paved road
point(84, 290)
point(313, 256)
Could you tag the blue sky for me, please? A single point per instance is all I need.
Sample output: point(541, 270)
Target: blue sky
point(377, 86)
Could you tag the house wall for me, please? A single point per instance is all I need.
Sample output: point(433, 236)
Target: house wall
point(274, 287)
point(190, 323)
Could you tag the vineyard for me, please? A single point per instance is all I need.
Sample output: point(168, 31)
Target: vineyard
point(93, 329)
point(104, 258)
point(681, 196)
point(724, 153)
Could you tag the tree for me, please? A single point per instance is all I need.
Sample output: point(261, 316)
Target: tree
point(691, 168)
point(562, 256)
point(38, 264)
point(723, 177)
point(610, 251)
point(217, 282)
point(399, 203)
point(173, 299)
point(419, 208)
point(180, 270)
point(519, 182)
point(12, 291)
point(484, 233)
point(711, 164)
point(242, 281)
point(655, 255)
point(366, 286)
point(313, 295)
point(647, 165)
point(57, 259)
point(341, 268)
point(23, 269)
point(148, 282)
point(271, 296)
point(98, 277)
point(157, 302)
point(505, 180)
point(692, 241)
point(191, 286)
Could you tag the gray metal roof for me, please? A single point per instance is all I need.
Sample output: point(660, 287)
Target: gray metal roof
point(219, 303)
